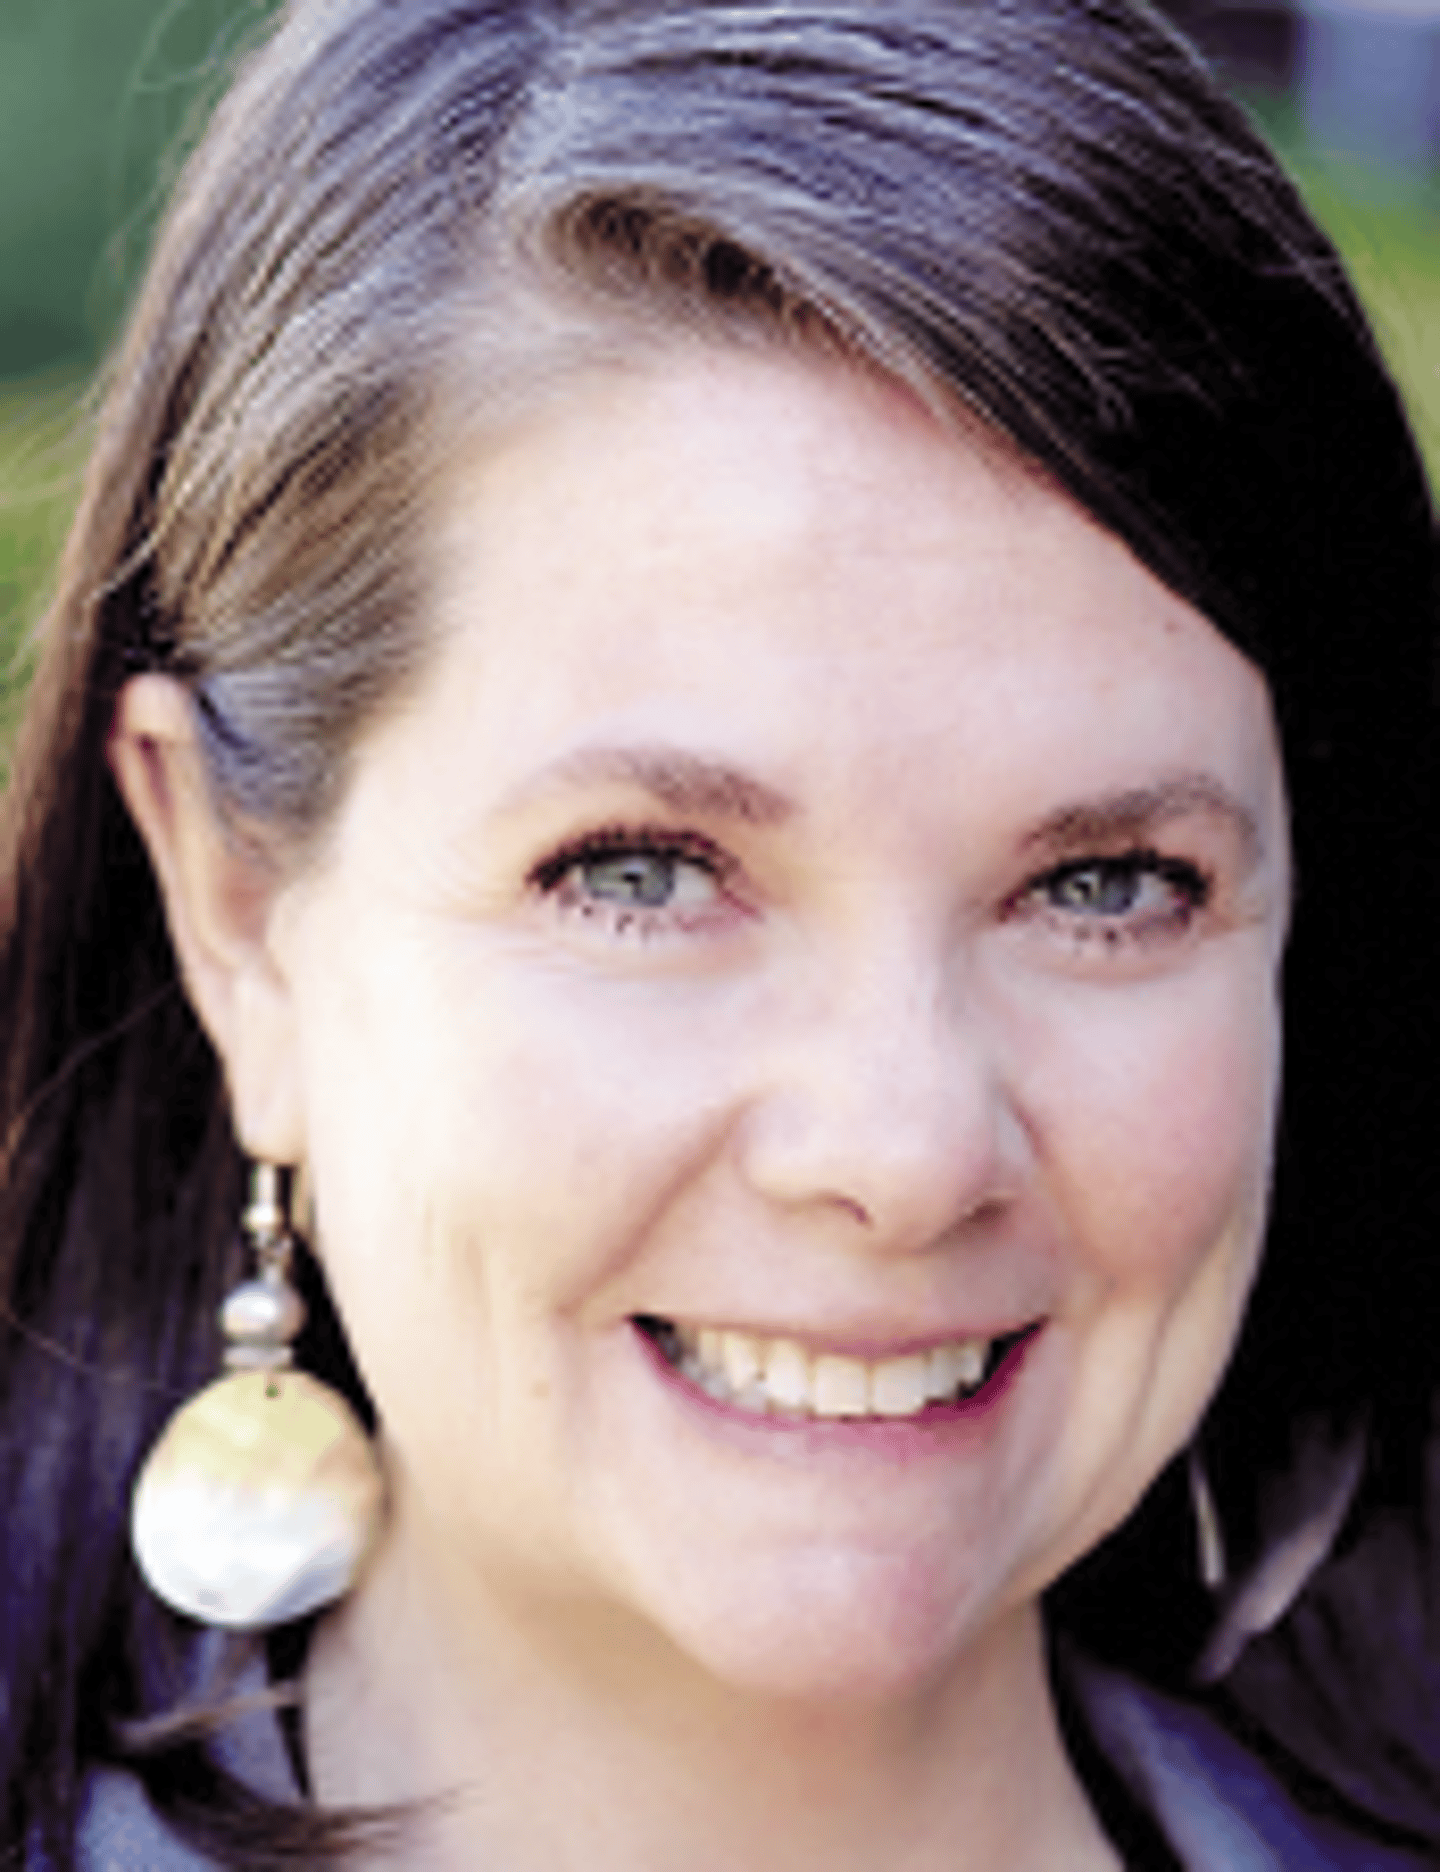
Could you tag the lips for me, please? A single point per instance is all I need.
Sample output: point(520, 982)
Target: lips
point(779, 1376)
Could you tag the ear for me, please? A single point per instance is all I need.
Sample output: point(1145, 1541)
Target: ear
point(220, 890)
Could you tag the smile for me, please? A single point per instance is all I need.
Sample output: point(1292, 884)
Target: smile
point(780, 1378)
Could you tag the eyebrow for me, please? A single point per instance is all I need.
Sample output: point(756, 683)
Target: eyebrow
point(1136, 812)
point(681, 781)
point(692, 783)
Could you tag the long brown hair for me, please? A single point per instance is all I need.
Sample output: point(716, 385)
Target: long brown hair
point(1046, 215)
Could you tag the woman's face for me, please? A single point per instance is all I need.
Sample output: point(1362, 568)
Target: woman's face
point(827, 894)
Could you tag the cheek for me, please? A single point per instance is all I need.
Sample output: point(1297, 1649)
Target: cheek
point(1164, 1117)
point(490, 1141)
point(1155, 1121)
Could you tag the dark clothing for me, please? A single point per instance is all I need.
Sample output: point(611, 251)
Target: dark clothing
point(1173, 1787)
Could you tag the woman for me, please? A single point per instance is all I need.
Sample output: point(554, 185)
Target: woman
point(712, 639)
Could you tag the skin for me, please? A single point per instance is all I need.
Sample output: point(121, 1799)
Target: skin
point(874, 1075)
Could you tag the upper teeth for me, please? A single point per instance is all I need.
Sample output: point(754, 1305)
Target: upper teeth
point(780, 1374)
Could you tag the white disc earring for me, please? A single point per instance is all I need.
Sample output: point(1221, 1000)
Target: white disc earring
point(263, 1496)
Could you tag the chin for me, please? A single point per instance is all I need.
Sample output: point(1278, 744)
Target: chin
point(835, 1627)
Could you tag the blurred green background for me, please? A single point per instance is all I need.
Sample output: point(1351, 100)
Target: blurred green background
point(98, 96)
point(96, 99)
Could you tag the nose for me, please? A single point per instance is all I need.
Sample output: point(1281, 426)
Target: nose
point(885, 1096)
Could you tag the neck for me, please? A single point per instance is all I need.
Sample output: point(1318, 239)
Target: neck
point(645, 1760)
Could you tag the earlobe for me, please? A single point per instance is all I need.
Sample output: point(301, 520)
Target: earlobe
point(220, 890)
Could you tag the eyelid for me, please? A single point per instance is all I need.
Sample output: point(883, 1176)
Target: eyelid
point(705, 900)
point(611, 841)
point(1190, 882)
point(1185, 874)
point(1137, 857)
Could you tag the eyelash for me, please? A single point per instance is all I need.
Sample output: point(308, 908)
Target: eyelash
point(1189, 889)
point(556, 878)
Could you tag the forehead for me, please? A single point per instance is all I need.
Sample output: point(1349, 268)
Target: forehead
point(791, 569)
point(715, 490)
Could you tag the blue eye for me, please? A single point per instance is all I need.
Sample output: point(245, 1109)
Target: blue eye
point(1100, 887)
point(1132, 896)
point(643, 879)
point(636, 881)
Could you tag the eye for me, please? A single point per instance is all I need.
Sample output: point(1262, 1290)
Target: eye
point(1135, 896)
point(637, 881)
point(648, 879)
point(1098, 888)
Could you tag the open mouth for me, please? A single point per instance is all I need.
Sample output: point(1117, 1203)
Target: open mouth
point(781, 1378)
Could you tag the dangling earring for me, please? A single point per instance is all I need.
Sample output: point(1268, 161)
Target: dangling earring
point(1209, 1539)
point(1299, 1512)
point(263, 1497)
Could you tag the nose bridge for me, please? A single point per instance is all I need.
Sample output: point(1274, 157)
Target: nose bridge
point(886, 1094)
